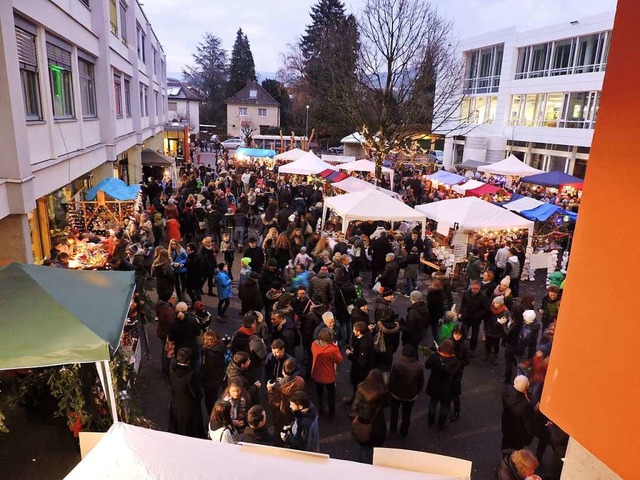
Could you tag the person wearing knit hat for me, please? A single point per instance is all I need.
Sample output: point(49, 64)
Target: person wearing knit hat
point(504, 290)
point(495, 328)
point(506, 281)
point(527, 338)
point(518, 418)
point(245, 270)
point(529, 316)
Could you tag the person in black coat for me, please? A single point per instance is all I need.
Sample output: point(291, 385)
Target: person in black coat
point(213, 368)
point(516, 465)
point(196, 270)
point(378, 250)
point(208, 253)
point(368, 408)
point(461, 348)
point(444, 367)
point(413, 328)
point(361, 355)
point(250, 294)
point(345, 292)
point(360, 312)
point(270, 277)
point(255, 253)
point(473, 310)
point(387, 326)
point(406, 381)
point(437, 305)
point(518, 420)
point(184, 333)
point(185, 414)
point(389, 277)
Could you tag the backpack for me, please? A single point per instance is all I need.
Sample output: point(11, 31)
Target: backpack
point(378, 343)
point(158, 219)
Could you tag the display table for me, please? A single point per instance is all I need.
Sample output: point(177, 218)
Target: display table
point(541, 260)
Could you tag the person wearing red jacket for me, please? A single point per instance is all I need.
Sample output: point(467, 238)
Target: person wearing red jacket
point(326, 357)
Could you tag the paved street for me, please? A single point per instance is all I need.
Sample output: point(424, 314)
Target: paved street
point(475, 436)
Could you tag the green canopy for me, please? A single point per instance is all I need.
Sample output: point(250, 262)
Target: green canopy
point(53, 316)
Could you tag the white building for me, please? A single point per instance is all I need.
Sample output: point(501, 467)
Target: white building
point(533, 93)
point(183, 105)
point(82, 91)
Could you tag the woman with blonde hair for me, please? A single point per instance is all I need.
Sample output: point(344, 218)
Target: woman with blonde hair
point(162, 271)
point(282, 250)
point(179, 263)
point(321, 245)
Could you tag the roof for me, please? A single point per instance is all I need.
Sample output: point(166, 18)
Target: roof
point(115, 188)
point(553, 179)
point(355, 137)
point(150, 157)
point(363, 165)
point(243, 97)
point(291, 155)
point(511, 165)
point(176, 90)
point(308, 164)
point(54, 316)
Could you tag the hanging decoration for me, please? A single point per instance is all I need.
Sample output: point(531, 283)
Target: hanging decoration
point(565, 262)
point(553, 262)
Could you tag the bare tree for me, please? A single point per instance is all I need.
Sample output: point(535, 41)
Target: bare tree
point(247, 128)
point(409, 76)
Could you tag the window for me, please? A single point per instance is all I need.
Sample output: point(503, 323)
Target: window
point(123, 23)
point(127, 97)
point(262, 112)
point(144, 111)
point(87, 88)
point(85, 3)
point(242, 111)
point(153, 57)
point(29, 74)
point(140, 39)
point(117, 90)
point(113, 16)
point(564, 57)
point(253, 94)
point(580, 110)
point(59, 61)
point(482, 69)
point(478, 110)
point(157, 103)
point(173, 106)
point(553, 109)
point(565, 110)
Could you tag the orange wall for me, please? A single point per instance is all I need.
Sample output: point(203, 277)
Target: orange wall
point(592, 388)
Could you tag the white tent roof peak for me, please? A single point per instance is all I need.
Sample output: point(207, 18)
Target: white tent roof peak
point(291, 155)
point(509, 166)
point(355, 137)
point(472, 213)
point(308, 164)
point(363, 165)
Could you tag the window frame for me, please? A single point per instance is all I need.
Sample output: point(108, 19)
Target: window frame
point(242, 111)
point(260, 110)
point(88, 88)
point(113, 17)
point(29, 78)
point(127, 96)
point(117, 93)
point(62, 69)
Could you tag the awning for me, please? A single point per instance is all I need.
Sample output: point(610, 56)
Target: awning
point(115, 188)
point(486, 189)
point(554, 179)
point(333, 175)
point(255, 152)
point(470, 164)
point(151, 157)
point(511, 165)
point(447, 178)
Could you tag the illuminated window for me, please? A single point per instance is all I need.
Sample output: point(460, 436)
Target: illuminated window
point(60, 79)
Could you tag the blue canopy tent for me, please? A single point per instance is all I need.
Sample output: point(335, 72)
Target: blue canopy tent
point(553, 179)
point(448, 178)
point(255, 152)
point(543, 212)
point(115, 188)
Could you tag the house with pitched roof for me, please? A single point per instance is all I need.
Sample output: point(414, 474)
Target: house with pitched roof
point(251, 110)
point(183, 104)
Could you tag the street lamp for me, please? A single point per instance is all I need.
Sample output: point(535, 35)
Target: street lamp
point(306, 128)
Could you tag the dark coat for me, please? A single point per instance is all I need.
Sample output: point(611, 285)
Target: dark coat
point(311, 322)
point(185, 414)
point(196, 270)
point(321, 288)
point(406, 380)
point(358, 315)
point(506, 469)
point(184, 333)
point(437, 304)
point(518, 421)
point(251, 297)
point(165, 281)
point(166, 315)
point(256, 254)
point(461, 348)
point(474, 268)
point(379, 249)
point(414, 326)
point(372, 411)
point(213, 368)
point(492, 327)
point(442, 380)
point(362, 358)
point(267, 279)
point(474, 308)
point(389, 277)
point(260, 436)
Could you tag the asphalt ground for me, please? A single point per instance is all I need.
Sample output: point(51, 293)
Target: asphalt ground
point(41, 447)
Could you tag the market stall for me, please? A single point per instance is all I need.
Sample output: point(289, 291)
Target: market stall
point(53, 316)
point(554, 179)
point(245, 154)
point(290, 155)
point(131, 452)
point(370, 204)
point(366, 166)
point(353, 184)
point(337, 158)
point(448, 178)
point(510, 166)
point(309, 164)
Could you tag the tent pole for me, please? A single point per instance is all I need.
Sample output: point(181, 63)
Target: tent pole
point(111, 393)
point(324, 215)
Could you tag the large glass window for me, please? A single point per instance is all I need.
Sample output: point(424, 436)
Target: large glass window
point(562, 57)
point(59, 61)
point(127, 97)
point(140, 43)
point(87, 88)
point(144, 110)
point(482, 69)
point(29, 74)
point(576, 110)
point(517, 101)
point(553, 109)
point(117, 92)
point(123, 23)
point(113, 16)
point(539, 60)
point(532, 110)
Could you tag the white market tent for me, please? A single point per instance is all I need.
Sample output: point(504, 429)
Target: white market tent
point(338, 158)
point(469, 185)
point(137, 453)
point(472, 213)
point(371, 205)
point(522, 204)
point(365, 165)
point(353, 184)
point(509, 166)
point(291, 155)
point(308, 164)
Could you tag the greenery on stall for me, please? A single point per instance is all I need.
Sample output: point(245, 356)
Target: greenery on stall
point(3, 427)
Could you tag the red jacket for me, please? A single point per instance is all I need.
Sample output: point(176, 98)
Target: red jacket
point(173, 230)
point(325, 359)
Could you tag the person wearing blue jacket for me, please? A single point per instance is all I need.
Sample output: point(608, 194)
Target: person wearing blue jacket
point(223, 284)
point(179, 258)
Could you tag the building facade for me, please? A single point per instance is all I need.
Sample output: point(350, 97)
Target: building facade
point(252, 110)
point(533, 93)
point(183, 105)
point(83, 92)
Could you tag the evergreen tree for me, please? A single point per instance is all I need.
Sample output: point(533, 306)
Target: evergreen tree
point(329, 48)
point(279, 92)
point(209, 76)
point(242, 68)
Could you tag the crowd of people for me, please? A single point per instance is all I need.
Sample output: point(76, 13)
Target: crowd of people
point(305, 308)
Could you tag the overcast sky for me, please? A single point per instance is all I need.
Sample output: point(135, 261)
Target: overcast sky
point(272, 24)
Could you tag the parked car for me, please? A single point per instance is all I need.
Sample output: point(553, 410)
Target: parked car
point(233, 143)
point(439, 156)
point(336, 151)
